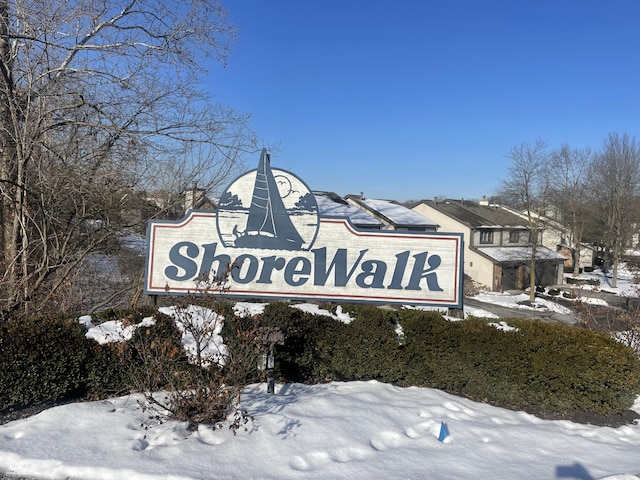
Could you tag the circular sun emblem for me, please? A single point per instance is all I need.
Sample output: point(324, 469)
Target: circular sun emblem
point(269, 209)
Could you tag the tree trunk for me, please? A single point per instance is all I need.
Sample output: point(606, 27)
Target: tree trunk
point(8, 170)
point(576, 260)
point(614, 270)
point(532, 274)
point(577, 240)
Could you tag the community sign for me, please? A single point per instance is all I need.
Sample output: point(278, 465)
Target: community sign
point(267, 239)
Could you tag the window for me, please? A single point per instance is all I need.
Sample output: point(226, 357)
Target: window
point(486, 237)
point(514, 236)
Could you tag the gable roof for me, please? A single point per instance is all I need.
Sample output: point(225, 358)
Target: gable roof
point(475, 215)
point(520, 254)
point(197, 199)
point(330, 204)
point(397, 215)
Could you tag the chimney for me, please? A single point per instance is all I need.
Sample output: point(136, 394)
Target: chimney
point(190, 197)
point(484, 202)
point(194, 194)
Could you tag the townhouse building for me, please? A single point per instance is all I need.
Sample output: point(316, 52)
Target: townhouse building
point(498, 249)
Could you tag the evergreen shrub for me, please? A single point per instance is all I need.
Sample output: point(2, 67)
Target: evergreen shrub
point(538, 365)
point(535, 366)
point(305, 356)
point(365, 349)
point(41, 360)
point(46, 359)
point(109, 369)
point(583, 281)
point(578, 370)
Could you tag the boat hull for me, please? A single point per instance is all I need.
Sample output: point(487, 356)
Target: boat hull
point(266, 242)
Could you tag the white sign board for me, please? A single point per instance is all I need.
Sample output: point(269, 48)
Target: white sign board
point(268, 229)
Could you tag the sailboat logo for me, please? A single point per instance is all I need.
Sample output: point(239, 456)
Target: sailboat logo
point(268, 209)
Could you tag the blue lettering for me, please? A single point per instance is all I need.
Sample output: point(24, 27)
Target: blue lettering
point(398, 271)
point(418, 272)
point(251, 270)
point(181, 261)
point(268, 265)
point(339, 263)
point(209, 258)
point(298, 271)
point(374, 270)
point(297, 266)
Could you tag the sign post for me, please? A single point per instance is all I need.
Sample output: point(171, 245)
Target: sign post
point(270, 337)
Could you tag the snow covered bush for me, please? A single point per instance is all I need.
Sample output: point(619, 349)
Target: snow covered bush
point(184, 369)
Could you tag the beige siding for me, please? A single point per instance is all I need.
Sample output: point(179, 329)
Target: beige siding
point(476, 266)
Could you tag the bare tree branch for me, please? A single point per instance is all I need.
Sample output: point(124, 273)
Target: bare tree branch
point(101, 102)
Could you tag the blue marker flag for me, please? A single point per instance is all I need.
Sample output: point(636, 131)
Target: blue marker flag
point(444, 432)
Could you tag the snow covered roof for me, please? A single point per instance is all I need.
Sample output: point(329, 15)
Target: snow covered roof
point(519, 254)
point(477, 216)
point(394, 213)
point(332, 205)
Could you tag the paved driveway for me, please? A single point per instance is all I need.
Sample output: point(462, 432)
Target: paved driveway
point(505, 312)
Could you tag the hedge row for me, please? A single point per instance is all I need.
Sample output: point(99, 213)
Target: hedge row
point(47, 359)
point(537, 365)
point(562, 370)
point(40, 360)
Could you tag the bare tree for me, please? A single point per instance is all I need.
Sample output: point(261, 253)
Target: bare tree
point(99, 101)
point(570, 180)
point(527, 188)
point(616, 185)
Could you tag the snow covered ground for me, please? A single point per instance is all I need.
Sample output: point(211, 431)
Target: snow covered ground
point(626, 287)
point(354, 430)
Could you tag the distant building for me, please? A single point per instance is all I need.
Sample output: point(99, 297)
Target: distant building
point(392, 215)
point(497, 251)
point(174, 206)
point(330, 204)
point(560, 238)
point(196, 199)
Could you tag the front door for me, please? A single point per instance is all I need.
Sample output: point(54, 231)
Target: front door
point(509, 277)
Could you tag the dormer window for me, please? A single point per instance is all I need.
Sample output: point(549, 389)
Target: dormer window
point(486, 237)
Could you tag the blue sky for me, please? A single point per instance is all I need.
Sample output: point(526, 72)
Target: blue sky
point(416, 98)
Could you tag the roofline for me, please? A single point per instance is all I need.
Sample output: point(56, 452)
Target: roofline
point(358, 199)
point(490, 224)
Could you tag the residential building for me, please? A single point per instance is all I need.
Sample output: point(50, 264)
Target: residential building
point(497, 248)
point(392, 215)
point(330, 204)
point(196, 199)
point(559, 238)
